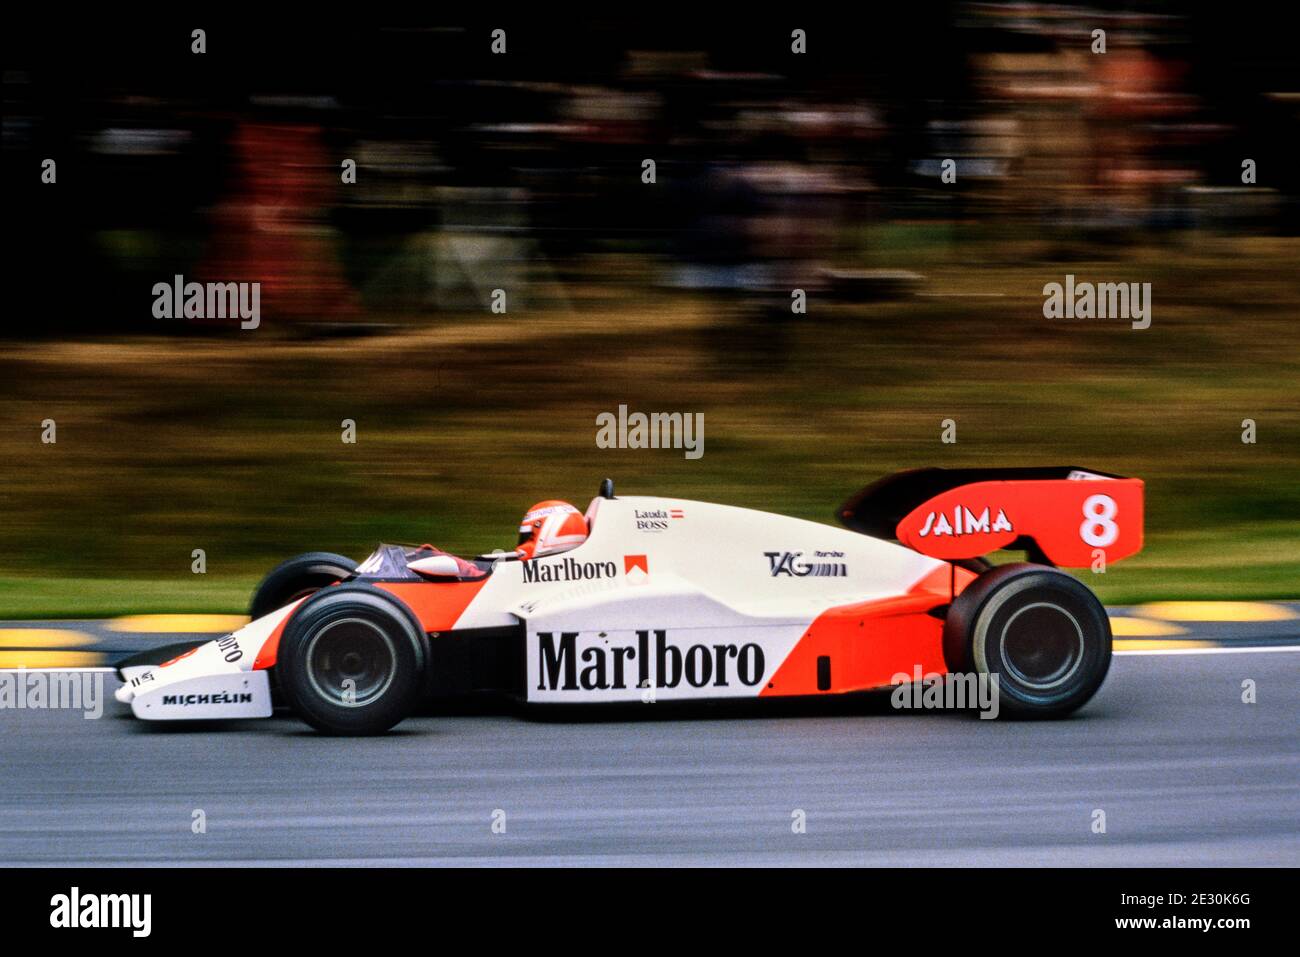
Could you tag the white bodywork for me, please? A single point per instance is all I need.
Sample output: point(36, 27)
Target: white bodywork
point(667, 598)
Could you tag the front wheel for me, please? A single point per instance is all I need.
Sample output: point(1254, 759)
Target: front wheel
point(1041, 632)
point(351, 661)
point(296, 578)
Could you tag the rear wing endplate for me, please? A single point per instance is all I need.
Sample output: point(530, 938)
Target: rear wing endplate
point(1068, 516)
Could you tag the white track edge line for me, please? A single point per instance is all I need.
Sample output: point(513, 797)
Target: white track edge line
point(1208, 651)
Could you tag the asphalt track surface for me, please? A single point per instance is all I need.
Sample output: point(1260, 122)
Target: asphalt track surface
point(1185, 772)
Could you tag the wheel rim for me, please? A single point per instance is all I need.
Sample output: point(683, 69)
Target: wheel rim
point(1042, 646)
point(351, 662)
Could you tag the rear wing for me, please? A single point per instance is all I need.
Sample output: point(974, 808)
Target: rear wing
point(1060, 515)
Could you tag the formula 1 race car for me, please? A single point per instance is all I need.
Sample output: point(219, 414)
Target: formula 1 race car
point(673, 600)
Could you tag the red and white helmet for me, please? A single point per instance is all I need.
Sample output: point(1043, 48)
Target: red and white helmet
point(550, 527)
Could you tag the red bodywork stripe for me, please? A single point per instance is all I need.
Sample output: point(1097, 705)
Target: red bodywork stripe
point(870, 642)
point(437, 606)
point(266, 654)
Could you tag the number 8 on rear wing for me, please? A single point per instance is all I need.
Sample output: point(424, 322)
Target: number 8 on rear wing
point(1065, 516)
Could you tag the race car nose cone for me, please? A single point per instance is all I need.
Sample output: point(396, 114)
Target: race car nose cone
point(124, 694)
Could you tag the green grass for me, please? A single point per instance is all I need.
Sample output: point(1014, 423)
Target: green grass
point(232, 445)
point(37, 598)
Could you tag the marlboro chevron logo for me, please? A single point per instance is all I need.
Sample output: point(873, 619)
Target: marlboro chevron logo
point(652, 662)
point(963, 521)
point(636, 568)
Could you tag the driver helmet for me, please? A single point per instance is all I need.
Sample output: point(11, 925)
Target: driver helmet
point(550, 527)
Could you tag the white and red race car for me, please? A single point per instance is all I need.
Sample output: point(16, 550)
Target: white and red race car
point(672, 600)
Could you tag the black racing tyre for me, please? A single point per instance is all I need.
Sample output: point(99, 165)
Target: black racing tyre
point(352, 660)
point(297, 578)
point(1040, 631)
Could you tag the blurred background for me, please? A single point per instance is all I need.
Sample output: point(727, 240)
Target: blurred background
point(523, 171)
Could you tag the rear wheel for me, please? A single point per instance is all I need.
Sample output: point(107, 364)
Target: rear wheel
point(1040, 631)
point(298, 577)
point(351, 661)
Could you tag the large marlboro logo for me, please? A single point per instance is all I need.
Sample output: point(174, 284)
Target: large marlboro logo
point(659, 663)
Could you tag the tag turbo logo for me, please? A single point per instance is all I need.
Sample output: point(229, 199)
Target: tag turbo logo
point(569, 570)
point(964, 522)
point(103, 910)
point(791, 563)
point(605, 669)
